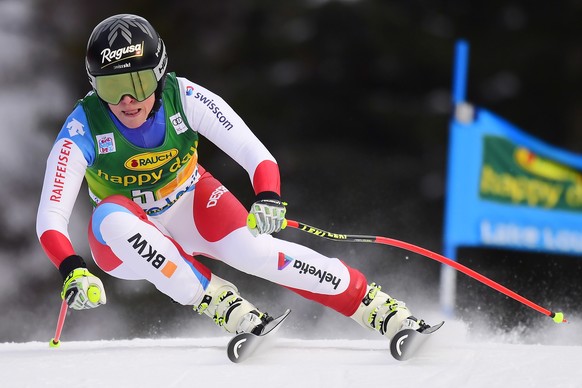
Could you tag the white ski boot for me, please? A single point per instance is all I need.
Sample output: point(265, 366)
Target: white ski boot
point(378, 311)
point(229, 310)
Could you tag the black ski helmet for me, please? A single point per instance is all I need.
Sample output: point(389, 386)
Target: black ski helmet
point(126, 44)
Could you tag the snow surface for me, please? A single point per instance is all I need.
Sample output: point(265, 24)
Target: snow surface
point(450, 359)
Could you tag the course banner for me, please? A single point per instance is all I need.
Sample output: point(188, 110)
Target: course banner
point(507, 189)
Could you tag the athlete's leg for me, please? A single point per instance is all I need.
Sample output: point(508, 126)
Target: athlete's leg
point(126, 244)
point(218, 229)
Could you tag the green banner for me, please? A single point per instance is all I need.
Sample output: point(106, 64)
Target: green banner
point(513, 174)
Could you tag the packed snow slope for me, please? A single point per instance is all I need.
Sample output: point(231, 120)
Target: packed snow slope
point(449, 359)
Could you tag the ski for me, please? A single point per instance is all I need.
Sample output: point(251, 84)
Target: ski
point(243, 345)
point(406, 342)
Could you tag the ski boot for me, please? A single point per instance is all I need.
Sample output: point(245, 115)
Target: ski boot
point(229, 310)
point(380, 312)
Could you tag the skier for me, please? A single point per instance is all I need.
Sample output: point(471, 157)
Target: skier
point(134, 139)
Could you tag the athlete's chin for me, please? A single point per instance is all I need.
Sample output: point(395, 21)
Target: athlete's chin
point(132, 119)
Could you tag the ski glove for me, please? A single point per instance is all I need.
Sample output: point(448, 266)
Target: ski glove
point(83, 290)
point(266, 216)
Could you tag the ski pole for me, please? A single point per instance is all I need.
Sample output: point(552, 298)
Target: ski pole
point(55, 342)
point(557, 317)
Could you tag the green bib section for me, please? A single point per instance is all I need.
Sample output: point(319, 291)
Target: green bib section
point(144, 175)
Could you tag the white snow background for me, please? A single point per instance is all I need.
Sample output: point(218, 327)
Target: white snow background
point(452, 358)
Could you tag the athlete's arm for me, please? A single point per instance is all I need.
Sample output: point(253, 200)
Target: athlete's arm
point(213, 118)
point(65, 169)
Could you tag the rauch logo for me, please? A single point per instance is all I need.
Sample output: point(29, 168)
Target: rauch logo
point(150, 160)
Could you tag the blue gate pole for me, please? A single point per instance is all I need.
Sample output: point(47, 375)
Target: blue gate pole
point(463, 112)
point(460, 71)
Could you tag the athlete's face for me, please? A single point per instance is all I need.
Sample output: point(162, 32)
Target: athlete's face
point(131, 112)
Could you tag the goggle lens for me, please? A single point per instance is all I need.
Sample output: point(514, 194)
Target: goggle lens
point(139, 85)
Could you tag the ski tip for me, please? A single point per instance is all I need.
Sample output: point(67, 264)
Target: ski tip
point(558, 317)
point(433, 328)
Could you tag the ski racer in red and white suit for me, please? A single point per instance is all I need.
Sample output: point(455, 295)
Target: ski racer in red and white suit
point(156, 237)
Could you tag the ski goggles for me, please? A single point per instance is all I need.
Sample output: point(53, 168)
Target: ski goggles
point(139, 85)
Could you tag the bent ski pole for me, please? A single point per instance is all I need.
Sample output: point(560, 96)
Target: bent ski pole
point(55, 342)
point(557, 317)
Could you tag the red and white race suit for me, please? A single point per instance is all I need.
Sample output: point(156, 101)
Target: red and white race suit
point(202, 217)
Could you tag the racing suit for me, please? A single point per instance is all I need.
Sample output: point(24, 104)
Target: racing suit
point(156, 208)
